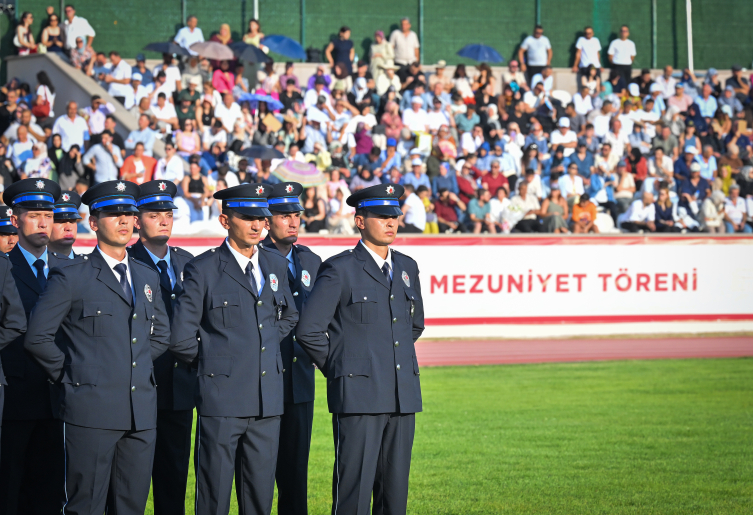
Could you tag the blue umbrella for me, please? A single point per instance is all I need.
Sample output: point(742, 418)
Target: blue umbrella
point(248, 53)
point(254, 99)
point(284, 45)
point(481, 53)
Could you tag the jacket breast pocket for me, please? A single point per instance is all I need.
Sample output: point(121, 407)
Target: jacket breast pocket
point(96, 317)
point(410, 304)
point(226, 309)
point(363, 306)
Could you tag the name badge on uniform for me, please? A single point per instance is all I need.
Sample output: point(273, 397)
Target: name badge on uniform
point(306, 278)
point(406, 279)
point(273, 283)
point(148, 292)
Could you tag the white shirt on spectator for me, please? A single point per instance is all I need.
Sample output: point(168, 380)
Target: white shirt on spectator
point(71, 132)
point(582, 105)
point(12, 132)
point(311, 98)
point(735, 210)
point(548, 82)
point(97, 117)
point(19, 152)
point(642, 115)
point(628, 120)
point(437, 119)
point(536, 50)
point(231, 179)
point(469, 143)
point(667, 86)
point(165, 88)
point(622, 52)
point(169, 171)
point(44, 92)
point(228, 115)
point(172, 75)
point(570, 185)
point(186, 37)
point(637, 212)
point(557, 138)
point(618, 142)
point(77, 28)
point(210, 139)
point(416, 121)
point(405, 46)
point(416, 215)
point(120, 72)
point(134, 97)
point(589, 52)
point(666, 163)
point(601, 124)
point(165, 112)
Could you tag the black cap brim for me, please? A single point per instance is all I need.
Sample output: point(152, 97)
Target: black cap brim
point(158, 206)
point(119, 209)
point(286, 208)
point(66, 216)
point(8, 229)
point(384, 210)
point(257, 212)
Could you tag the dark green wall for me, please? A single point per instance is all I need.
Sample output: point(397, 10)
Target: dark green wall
point(721, 27)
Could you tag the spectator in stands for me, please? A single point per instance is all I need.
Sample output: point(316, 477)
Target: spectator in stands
point(582, 101)
point(96, 114)
point(314, 211)
point(340, 217)
point(164, 112)
point(37, 166)
point(564, 137)
point(693, 190)
point(479, 213)
point(740, 85)
point(527, 208)
point(587, 52)
point(546, 78)
point(736, 212)
point(665, 212)
point(707, 160)
point(104, 159)
point(189, 34)
point(146, 75)
point(462, 84)
point(554, 212)
point(24, 39)
point(52, 36)
point(414, 211)
point(644, 82)
point(416, 118)
point(138, 167)
point(584, 216)
point(707, 102)
point(571, 185)
point(72, 128)
point(534, 54)
point(712, 214)
point(110, 125)
point(170, 167)
point(667, 141)
point(70, 168)
point(228, 112)
point(729, 98)
point(641, 215)
point(119, 78)
point(223, 79)
point(290, 95)
point(472, 141)
point(21, 148)
point(601, 119)
point(341, 50)
point(439, 77)
point(494, 180)
point(680, 99)
point(195, 189)
point(417, 177)
point(445, 208)
point(76, 27)
point(406, 44)
point(624, 187)
point(584, 159)
point(621, 54)
point(464, 122)
point(660, 165)
point(666, 82)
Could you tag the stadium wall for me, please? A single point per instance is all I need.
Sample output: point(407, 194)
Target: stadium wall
point(720, 27)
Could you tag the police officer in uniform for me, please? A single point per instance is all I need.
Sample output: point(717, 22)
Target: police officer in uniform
point(8, 231)
point(296, 422)
point(236, 296)
point(176, 380)
point(112, 324)
point(31, 471)
point(359, 326)
point(65, 228)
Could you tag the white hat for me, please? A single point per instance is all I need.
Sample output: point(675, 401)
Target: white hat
point(136, 76)
point(690, 149)
point(655, 88)
point(695, 167)
point(415, 151)
point(441, 63)
point(195, 80)
point(416, 99)
point(564, 122)
point(416, 161)
point(634, 89)
point(459, 164)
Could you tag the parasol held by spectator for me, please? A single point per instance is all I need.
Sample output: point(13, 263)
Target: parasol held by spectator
point(254, 98)
point(248, 53)
point(261, 152)
point(306, 174)
point(167, 47)
point(284, 45)
point(213, 50)
point(481, 53)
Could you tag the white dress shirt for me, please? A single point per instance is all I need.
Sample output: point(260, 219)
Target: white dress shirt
point(71, 132)
point(187, 37)
point(112, 262)
point(76, 28)
point(379, 261)
point(166, 259)
point(120, 72)
point(31, 259)
point(243, 263)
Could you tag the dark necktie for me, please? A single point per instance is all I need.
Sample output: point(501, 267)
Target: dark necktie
point(164, 277)
point(121, 269)
point(251, 278)
point(386, 272)
point(39, 265)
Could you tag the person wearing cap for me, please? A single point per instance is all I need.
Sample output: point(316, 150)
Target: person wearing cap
point(359, 327)
point(110, 326)
point(416, 119)
point(65, 217)
point(564, 137)
point(31, 468)
point(417, 177)
point(693, 190)
point(237, 297)
point(680, 99)
point(135, 92)
point(146, 75)
point(298, 379)
point(176, 380)
point(740, 85)
point(8, 232)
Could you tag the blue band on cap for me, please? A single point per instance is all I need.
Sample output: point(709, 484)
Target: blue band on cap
point(157, 198)
point(240, 203)
point(379, 202)
point(59, 210)
point(35, 197)
point(118, 201)
point(5, 222)
point(284, 200)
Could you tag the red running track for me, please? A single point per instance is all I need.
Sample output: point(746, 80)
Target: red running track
point(489, 352)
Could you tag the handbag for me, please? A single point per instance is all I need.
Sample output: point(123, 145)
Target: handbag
point(41, 110)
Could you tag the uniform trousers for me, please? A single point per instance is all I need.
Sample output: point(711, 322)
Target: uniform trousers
point(372, 452)
point(32, 467)
point(172, 455)
point(293, 458)
point(245, 447)
point(107, 470)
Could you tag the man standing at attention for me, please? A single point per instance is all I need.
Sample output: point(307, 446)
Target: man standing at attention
point(111, 325)
point(8, 231)
point(359, 327)
point(176, 380)
point(621, 54)
point(236, 296)
point(535, 53)
point(65, 225)
point(298, 380)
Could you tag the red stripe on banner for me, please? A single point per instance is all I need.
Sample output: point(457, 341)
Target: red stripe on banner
point(450, 240)
point(588, 319)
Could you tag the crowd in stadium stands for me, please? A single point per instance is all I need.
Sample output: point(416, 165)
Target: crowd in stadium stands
point(643, 153)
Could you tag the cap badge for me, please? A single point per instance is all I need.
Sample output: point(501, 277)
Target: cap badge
point(273, 282)
point(120, 186)
point(66, 197)
point(390, 190)
point(306, 278)
point(162, 186)
point(259, 190)
point(406, 279)
point(40, 185)
point(288, 189)
point(148, 292)
point(9, 212)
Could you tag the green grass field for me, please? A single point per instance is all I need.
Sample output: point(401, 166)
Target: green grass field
point(638, 437)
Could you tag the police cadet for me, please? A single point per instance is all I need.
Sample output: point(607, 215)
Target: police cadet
point(8, 231)
point(112, 325)
point(359, 327)
point(31, 469)
point(176, 380)
point(238, 299)
point(296, 422)
point(65, 226)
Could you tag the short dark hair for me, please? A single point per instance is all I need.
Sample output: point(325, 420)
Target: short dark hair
point(410, 188)
point(111, 117)
point(161, 95)
point(113, 52)
point(538, 27)
point(375, 151)
point(421, 189)
point(290, 82)
point(106, 132)
point(344, 28)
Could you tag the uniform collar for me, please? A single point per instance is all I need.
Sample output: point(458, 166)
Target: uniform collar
point(156, 259)
point(377, 258)
point(243, 260)
point(30, 258)
point(111, 261)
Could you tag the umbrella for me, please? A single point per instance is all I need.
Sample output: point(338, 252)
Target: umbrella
point(248, 53)
point(259, 152)
point(306, 174)
point(254, 98)
point(284, 45)
point(168, 47)
point(213, 50)
point(481, 53)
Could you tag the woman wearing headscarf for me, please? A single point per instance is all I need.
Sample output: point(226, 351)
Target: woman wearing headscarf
point(493, 128)
point(364, 143)
point(70, 168)
point(381, 54)
point(712, 79)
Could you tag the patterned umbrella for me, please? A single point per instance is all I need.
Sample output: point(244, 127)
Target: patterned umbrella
point(306, 174)
point(213, 50)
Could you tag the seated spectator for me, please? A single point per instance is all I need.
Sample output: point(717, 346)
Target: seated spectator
point(340, 216)
point(707, 160)
point(660, 165)
point(584, 216)
point(110, 125)
point(228, 112)
point(445, 180)
point(70, 169)
point(214, 134)
point(170, 167)
point(577, 121)
point(582, 101)
point(82, 56)
point(636, 165)
point(72, 128)
point(21, 148)
point(571, 185)
point(26, 120)
point(729, 99)
point(584, 159)
point(314, 211)
point(494, 180)
point(446, 208)
point(641, 215)
point(639, 140)
point(693, 190)
point(195, 189)
point(514, 74)
point(624, 187)
point(164, 112)
point(104, 159)
point(417, 177)
point(135, 92)
point(416, 119)
point(471, 141)
point(590, 140)
point(527, 208)
point(554, 213)
point(414, 210)
point(465, 122)
point(144, 135)
point(479, 213)
point(667, 141)
point(187, 140)
point(666, 218)
point(546, 78)
point(680, 99)
point(37, 166)
point(564, 137)
point(740, 85)
point(712, 214)
point(538, 138)
point(466, 183)
point(736, 212)
point(311, 98)
point(601, 191)
point(146, 75)
point(223, 80)
point(290, 95)
point(138, 167)
point(601, 119)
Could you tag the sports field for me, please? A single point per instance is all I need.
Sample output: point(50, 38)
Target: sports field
point(638, 437)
